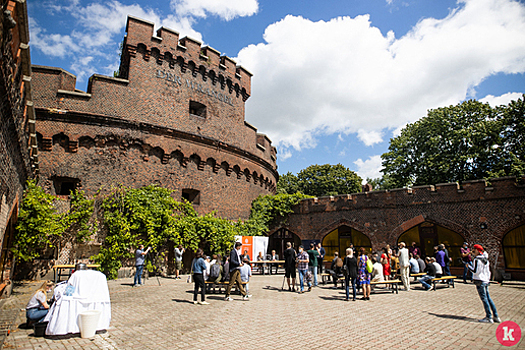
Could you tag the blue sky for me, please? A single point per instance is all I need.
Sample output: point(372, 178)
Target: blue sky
point(333, 80)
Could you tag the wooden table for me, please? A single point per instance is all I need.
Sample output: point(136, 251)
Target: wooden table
point(58, 273)
point(264, 263)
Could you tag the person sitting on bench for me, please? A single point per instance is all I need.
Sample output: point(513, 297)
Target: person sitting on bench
point(336, 268)
point(439, 269)
point(377, 272)
point(431, 273)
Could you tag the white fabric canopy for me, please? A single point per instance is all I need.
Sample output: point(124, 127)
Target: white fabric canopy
point(89, 292)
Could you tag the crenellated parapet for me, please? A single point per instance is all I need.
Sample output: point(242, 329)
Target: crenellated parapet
point(170, 52)
point(476, 190)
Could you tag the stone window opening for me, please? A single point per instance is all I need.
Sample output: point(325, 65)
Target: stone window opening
point(191, 195)
point(65, 185)
point(198, 109)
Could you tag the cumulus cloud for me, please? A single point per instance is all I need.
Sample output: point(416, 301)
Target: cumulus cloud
point(504, 99)
point(225, 9)
point(370, 137)
point(370, 168)
point(98, 27)
point(344, 75)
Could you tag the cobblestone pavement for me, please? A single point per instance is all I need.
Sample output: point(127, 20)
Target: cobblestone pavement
point(162, 317)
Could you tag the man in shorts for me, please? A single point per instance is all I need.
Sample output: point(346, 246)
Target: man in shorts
point(289, 266)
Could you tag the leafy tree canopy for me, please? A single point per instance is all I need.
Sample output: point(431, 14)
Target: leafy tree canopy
point(458, 143)
point(321, 180)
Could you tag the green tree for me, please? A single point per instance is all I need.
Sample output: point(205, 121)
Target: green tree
point(288, 183)
point(328, 180)
point(381, 183)
point(450, 144)
point(268, 211)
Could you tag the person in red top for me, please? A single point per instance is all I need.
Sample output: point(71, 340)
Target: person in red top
point(385, 261)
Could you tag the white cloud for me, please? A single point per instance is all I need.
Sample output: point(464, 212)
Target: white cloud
point(370, 168)
point(98, 28)
point(285, 155)
point(225, 9)
point(504, 99)
point(371, 137)
point(345, 76)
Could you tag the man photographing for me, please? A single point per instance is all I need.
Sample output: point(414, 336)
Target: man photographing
point(140, 257)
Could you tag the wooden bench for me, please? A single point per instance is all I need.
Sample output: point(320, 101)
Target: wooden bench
point(448, 279)
point(210, 284)
point(416, 275)
point(325, 277)
point(393, 283)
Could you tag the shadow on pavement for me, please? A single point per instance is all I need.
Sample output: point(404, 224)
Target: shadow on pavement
point(324, 297)
point(183, 300)
point(454, 317)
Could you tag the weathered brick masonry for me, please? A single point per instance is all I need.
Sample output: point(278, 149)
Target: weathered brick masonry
point(478, 212)
point(174, 117)
point(17, 136)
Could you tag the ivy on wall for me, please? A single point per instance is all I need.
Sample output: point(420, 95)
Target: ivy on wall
point(130, 217)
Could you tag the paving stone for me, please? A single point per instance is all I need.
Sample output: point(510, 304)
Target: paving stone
point(163, 317)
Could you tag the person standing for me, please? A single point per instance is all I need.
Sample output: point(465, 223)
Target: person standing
point(481, 277)
point(350, 272)
point(466, 259)
point(414, 249)
point(320, 258)
point(140, 257)
point(313, 254)
point(404, 265)
point(179, 251)
point(448, 260)
point(246, 273)
point(302, 266)
point(235, 273)
point(440, 257)
point(289, 265)
point(198, 266)
point(385, 261)
point(364, 275)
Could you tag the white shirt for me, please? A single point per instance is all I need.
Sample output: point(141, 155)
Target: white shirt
point(439, 270)
point(377, 272)
point(403, 257)
point(38, 299)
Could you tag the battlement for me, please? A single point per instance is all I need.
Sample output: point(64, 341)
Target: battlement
point(188, 53)
point(475, 190)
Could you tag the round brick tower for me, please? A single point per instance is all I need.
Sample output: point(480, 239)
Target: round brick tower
point(173, 117)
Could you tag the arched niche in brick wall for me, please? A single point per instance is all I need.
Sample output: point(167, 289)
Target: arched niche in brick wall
point(343, 237)
point(514, 248)
point(428, 235)
point(278, 239)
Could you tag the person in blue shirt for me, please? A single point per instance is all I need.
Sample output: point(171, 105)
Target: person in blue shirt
point(198, 266)
point(140, 257)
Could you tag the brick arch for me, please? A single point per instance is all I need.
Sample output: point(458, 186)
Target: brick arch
point(192, 67)
point(407, 225)
point(222, 81)
point(213, 76)
point(202, 71)
point(321, 233)
point(86, 142)
point(503, 229)
point(182, 63)
point(157, 152)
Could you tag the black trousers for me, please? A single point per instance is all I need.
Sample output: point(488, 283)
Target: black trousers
point(198, 279)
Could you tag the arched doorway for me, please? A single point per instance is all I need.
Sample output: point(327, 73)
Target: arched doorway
point(514, 248)
point(428, 235)
point(277, 241)
point(341, 238)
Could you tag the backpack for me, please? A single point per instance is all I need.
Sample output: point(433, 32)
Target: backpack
point(215, 271)
point(369, 266)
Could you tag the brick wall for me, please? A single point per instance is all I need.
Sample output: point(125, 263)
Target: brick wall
point(137, 129)
point(479, 212)
point(16, 114)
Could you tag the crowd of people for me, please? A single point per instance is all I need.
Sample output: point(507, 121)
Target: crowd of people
point(357, 269)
